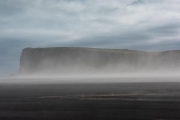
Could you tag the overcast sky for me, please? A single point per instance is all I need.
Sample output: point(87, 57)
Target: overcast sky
point(150, 25)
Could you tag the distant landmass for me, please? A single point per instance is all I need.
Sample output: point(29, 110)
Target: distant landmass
point(74, 60)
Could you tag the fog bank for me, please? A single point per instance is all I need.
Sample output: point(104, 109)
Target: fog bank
point(69, 61)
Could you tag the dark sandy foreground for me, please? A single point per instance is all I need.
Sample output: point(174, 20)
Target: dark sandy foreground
point(90, 101)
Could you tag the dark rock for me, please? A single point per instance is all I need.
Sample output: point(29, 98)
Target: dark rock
point(62, 60)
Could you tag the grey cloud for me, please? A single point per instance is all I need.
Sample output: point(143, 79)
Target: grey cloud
point(10, 51)
point(170, 29)
point(13, 7)
point(83, 23)
point(101, 20)
point(140, 2)
point(113, 39)
point(137, 2)
point(163, 46)
point(108, 10)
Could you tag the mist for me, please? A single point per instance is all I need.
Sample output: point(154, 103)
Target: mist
point(128, 24)
point(89, 60)
point(94, 65)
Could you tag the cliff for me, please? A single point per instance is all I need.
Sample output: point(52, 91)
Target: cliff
point(64, 60)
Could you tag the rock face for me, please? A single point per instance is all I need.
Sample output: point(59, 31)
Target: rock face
point(64, 60)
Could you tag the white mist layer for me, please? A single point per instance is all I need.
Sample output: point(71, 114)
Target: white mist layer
point(94, 78)
point(96, 62)
point(93, 65)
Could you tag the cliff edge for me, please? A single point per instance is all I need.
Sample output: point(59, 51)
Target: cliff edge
point(69, 60)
